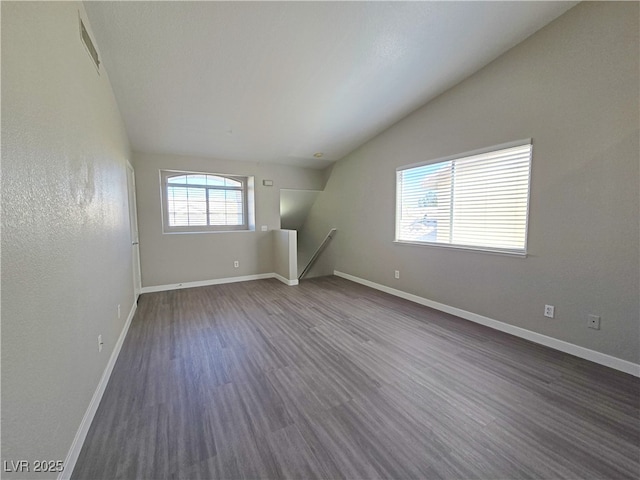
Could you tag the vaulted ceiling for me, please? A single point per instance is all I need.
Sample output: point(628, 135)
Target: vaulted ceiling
point(282, 81)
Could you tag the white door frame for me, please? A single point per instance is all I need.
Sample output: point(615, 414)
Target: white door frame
point(133, 226)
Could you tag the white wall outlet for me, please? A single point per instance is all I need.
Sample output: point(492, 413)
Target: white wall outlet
point(549, 311)
point(236, 264)
point(118, 311)
point(396, 274)
point(593, 321)
point(264, 228)
point(100, 343)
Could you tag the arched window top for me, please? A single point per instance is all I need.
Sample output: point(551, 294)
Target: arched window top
point(204, 180)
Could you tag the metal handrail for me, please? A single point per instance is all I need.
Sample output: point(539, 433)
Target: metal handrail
point(320, 249)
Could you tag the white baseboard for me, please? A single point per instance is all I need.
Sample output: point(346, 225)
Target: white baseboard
point(291, 283)
point(81, 434)
point(204, 283)
point(576, 350)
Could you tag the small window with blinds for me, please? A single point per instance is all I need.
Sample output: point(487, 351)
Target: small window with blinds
point(478, 200)
point(201, 202)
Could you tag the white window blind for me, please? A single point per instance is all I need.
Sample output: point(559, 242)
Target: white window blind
point(201, 202)
point(475, 201)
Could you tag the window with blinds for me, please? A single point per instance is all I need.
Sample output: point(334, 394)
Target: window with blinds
point(478, 200)
point(194, 202)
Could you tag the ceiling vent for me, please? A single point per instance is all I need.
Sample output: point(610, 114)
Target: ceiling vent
point(91, 49)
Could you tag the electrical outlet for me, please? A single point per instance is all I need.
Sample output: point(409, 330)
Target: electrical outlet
point(396, 274)
point(236, 264)
point(549, 311)
point(593, 321)
point(100, 343)
point(118, 311)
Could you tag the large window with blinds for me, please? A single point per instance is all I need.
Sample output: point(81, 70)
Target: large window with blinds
point(200, 202)
point(477, 200)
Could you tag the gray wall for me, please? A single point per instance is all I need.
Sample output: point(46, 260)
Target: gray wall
point(573, 88)
point(176, 258)
point(295, 206)
point(285, 259)
point(66, 250)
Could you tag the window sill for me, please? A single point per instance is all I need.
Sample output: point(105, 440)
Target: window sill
point(209, 231)
point(494, 251)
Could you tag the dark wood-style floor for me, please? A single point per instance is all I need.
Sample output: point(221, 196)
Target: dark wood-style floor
point(334, 380)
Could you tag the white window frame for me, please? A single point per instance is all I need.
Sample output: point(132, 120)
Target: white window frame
point(247, 190)
point(522, 252)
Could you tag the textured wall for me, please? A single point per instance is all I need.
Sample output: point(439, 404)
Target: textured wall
point(66, 261)
point(176, 258)
point(573, 88)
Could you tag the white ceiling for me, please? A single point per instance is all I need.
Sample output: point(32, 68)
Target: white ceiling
point(280, 81)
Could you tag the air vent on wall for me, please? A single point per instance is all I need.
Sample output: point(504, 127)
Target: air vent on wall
point(86, 39)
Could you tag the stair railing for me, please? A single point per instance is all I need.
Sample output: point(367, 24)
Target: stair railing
point(317, 253)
